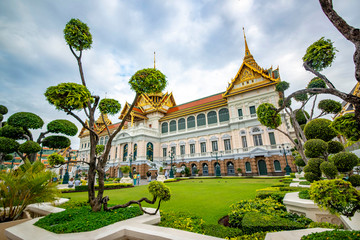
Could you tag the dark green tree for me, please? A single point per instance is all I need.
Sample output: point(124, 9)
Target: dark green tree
point(70, 97)
point(19, 126)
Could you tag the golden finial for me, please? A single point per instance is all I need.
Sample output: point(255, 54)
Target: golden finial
point(247, 51)
point(154, 59)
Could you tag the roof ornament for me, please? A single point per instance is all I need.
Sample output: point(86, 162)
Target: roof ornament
point(247, 51)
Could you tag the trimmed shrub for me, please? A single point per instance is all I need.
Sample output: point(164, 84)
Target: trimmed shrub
point(319, 129)
point(334, 147)
point(181, 221)
point(220, 231)
point(300, 116)
point(325, 225)
point(312, 169)
point(311, 177)
point(333, 235)
point(82, 219)
point(345, 161)
point(355, 180)
point(278, 196)
point(254, 236)
point(304, 194)
point(329, 169)
point(254, 222)
point(315, 148)
point(346, 125)
point(299, 162)
point(83, 188)
point(337, 196)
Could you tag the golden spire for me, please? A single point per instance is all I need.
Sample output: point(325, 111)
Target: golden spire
point(247, 51)
point(154, 59)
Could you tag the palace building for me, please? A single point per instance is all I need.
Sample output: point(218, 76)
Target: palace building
point(220, 130)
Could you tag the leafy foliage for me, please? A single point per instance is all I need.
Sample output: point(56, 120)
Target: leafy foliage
point(315, 148)
point(182, 221)
point(77, 35)
point(337, 196)
point(29, 147)
point(320, 54)
point(12, 132)
point(346, 125)
point(3, 110)
point(8, 145)
point(329, 169)
point(300, 162)
point(109, 106)
point(81, 219)
point(267, 115)
point(148, 80)
point(300, 116)
point(99, 149)
point(29, 184)
point(56, 142)
point(333, 235)
point(159, 190)
point(254, 222)
point(334, 147)
point(316, 83)
point(355, 180)
point(282, 86)
point(312, 169)
point(320, 129)
point(55, 159)
point(68, 96)
point(26, 120)
point(345, 161)
point(281, 102)
point(62, 126)
point(330, 106)
point(125, 169)
point(9, 157)
point(301, 97)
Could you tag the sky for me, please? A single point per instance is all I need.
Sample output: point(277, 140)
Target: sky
point(199, 46)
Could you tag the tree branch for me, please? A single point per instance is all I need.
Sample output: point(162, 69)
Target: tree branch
point(79, 119)
point(106, 199)
point(76, 56)
point(319, 75)
point(312, 108)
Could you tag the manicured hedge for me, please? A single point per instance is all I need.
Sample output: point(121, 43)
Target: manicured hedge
point(304, 194)
point(82, 219)
point(83, 188)
point(333, 235)
point(254, 222)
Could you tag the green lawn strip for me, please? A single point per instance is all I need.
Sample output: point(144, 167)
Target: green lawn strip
point(207, 198)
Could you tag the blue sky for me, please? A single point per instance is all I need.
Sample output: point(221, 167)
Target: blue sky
point(199, 46)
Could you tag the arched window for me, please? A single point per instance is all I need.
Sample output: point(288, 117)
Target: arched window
point(205, 170)
point(230, 169)
point(201, 121)
point(247, 167)
point(106, 140)
point(256, 129)
point(212, 117)
point(224, 115)
point(194, 169)
point(164, 127)
point(277, 166)
point(135, 151)
point(191, 122)
point(149, 151)
point(181, 124)
point(101, 141)
point(173, 126)
point(125, 153)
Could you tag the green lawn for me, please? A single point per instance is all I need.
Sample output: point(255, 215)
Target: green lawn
point(207, 198)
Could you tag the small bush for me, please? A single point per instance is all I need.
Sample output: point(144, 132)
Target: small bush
point(334, 147)
point(304, 183)
point(82, 188)
point(181, 221)
point(278, 196)
point(221, 231)
point(254, 236)
point(355, 180)
point(292, 175)
point(319, 129)
point(315, 148)
point(311, 177)
point(333, 235)
point(345, 161)
point(304, 194)
point(254, 222)
point(82, 219)
point(329, 169)
point(325, 225)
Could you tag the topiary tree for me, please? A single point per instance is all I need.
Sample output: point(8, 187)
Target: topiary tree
point(19, 126)
point(312, 169)
point(315, 148)
point(319, 129)
point(347, 125)
point(157, 189)
point(336, 196)
point(355, 180)
point(70, 97)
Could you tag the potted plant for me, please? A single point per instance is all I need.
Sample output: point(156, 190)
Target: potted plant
point(182, 173)
point(125, 170)
point(239, 170)
point(196, 171)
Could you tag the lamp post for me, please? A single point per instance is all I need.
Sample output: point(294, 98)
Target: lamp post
point(77, 171)
point(217, 167)
point(130, 159)
point(171, 153)
point(287, 168)
point(12, 163)
point(66, 176)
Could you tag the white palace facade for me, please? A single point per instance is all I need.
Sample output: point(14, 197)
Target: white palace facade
point(221, 129)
